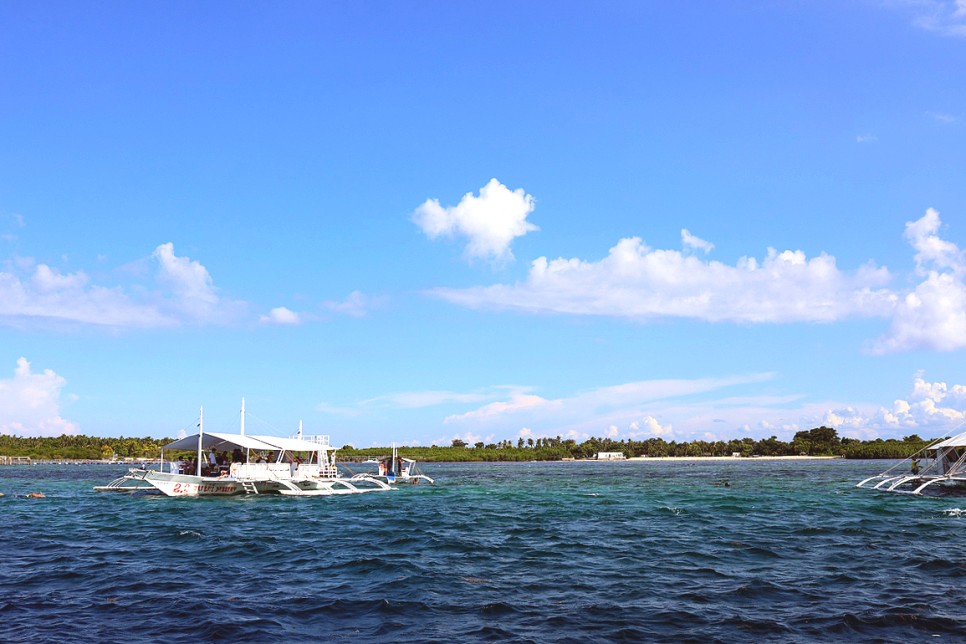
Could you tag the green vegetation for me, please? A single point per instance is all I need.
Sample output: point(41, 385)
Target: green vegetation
point(820, 441)
point(81, 447)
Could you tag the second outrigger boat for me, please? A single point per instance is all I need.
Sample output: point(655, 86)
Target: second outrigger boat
point(940, 467)
point(395, 470)
point(299, 466)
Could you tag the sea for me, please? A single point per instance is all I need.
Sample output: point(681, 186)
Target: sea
point(730, 550)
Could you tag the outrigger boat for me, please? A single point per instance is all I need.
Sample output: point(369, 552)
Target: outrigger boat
point(395, 470)
point(299, 466)
point(944, 468)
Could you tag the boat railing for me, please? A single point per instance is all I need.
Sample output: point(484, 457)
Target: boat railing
point(318, 439)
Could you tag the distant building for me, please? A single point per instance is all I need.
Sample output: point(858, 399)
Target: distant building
point(610, 456)
point(15, 460)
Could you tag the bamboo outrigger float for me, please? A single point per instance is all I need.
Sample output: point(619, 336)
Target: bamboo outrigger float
point(944, 469)
point(298, 466)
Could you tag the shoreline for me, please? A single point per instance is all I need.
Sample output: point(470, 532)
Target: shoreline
point(730, 458)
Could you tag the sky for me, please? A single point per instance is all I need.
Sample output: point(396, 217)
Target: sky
point(414, 222)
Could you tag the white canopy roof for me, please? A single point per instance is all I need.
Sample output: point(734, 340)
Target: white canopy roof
point(956, 441)
point(222, 441)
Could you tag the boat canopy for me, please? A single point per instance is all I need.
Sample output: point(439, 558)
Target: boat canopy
point(956, 441)
point(221, 441)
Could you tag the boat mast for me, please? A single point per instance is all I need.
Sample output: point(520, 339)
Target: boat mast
point(201, 435)
point(243, 418)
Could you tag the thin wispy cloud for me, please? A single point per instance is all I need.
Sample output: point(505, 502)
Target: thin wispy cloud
point(944, 17)
point(942, 117)
point(356, 304)
point(589, 412)
point(702, 409)
point(694, 242)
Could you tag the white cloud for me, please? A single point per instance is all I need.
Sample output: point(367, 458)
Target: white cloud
point(195, 297)
point(489, 222)
point(638, 282)
point(594, 411)
point(866, 138)
point(356, 305)
point(696, 409)
point(30, 403)
point(691, 241)
point(933, 314)
point(422, 399)
point(48, 295)
point(517, 402)
point(933, 409)
point(945, 17)
point(942, 117)
point(650, 427)
point(641, 283)
point(40, 293)
point(281, 315)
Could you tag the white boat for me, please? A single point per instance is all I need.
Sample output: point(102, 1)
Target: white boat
point(296, 466)
point(395, 470)
point(941, 467)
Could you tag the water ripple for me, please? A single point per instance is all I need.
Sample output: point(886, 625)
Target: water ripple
point(567, 552)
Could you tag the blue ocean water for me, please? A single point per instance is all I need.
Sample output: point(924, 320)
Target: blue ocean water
point(722, 551)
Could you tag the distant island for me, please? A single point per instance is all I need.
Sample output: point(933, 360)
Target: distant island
point(820, 441)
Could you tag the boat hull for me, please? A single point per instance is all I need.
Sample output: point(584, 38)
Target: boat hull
point(192, 486)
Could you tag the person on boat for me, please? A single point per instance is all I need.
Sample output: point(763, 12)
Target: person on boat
point(237, 456)
point(176, 466)
point(915, 466)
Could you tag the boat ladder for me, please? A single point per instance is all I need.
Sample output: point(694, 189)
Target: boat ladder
point(249, 487)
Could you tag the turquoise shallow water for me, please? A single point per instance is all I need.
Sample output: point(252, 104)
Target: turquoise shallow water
point(544, 552)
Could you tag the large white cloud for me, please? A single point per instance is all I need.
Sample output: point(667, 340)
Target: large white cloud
point(30, 403)
point(642, 283)
point(639, 282)
point(933, 314)
point(489, 222)
point(184, 294)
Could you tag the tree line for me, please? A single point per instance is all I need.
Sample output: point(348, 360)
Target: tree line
point(819, 441)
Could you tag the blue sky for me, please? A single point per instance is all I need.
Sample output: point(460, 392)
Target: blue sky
point(420, 221)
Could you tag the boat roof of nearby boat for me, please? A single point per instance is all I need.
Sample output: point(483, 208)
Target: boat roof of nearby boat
point(956, 441)
point(220, 440)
